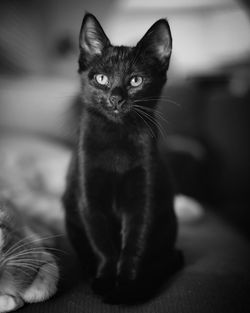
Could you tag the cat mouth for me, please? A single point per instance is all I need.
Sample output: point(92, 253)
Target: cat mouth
point(114, 112)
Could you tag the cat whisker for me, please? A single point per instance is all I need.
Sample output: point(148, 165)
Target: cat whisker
point(149, 109)
point(29, 260)
point(44, 249)
point(34, 261)
point(13, 247)
point(158, 98)
point(156, 112)
point(25, 263)
point(154, 121)
point(24, 255)
point(23, 266)
point(27, 268)
point(162, 99)
point(146, 123)
point(161, 117)
point(24, 271)
point(14, 259)
point(29, 253)
point(18, 246)
point(35, 268)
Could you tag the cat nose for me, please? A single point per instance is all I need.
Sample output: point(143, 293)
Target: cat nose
point(117, 101)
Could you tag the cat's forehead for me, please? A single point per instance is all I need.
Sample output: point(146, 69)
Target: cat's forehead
point(118, 60)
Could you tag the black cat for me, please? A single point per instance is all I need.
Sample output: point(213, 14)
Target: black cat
point(119, 197)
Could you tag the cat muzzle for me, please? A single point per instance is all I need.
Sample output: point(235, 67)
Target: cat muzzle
point(117, 102)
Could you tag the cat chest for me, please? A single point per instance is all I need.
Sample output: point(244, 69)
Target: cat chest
point(114, 159)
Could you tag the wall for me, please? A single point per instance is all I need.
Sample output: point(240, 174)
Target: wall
point(203, 39)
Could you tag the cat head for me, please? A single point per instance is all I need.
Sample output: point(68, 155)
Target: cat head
point(117, 79)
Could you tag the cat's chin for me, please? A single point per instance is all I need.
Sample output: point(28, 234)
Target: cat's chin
point(115, 116)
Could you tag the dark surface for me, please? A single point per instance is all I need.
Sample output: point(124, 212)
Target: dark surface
point(215, 279)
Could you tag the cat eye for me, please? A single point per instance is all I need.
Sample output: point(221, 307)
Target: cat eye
point(136, 81)
point(102, 79)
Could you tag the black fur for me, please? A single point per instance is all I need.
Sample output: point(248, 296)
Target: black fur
point(119, 198)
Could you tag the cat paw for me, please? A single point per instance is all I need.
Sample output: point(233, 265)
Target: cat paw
point(103, 285)
point(125, 292)
point(10, 303)
point(44, 285)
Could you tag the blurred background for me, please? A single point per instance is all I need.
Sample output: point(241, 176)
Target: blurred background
point(207, 97)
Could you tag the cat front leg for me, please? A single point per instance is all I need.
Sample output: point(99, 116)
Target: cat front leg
point(100, 227)
point(44, 285)
point(97, 227)
point(134, 205)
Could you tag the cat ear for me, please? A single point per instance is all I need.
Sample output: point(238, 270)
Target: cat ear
point(158, 42)
point(92, 38)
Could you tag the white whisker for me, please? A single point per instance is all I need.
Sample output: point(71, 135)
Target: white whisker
point(154, 121)
point(161, 98)
point(17, 245)
point(155, 111)
point(148, 126)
